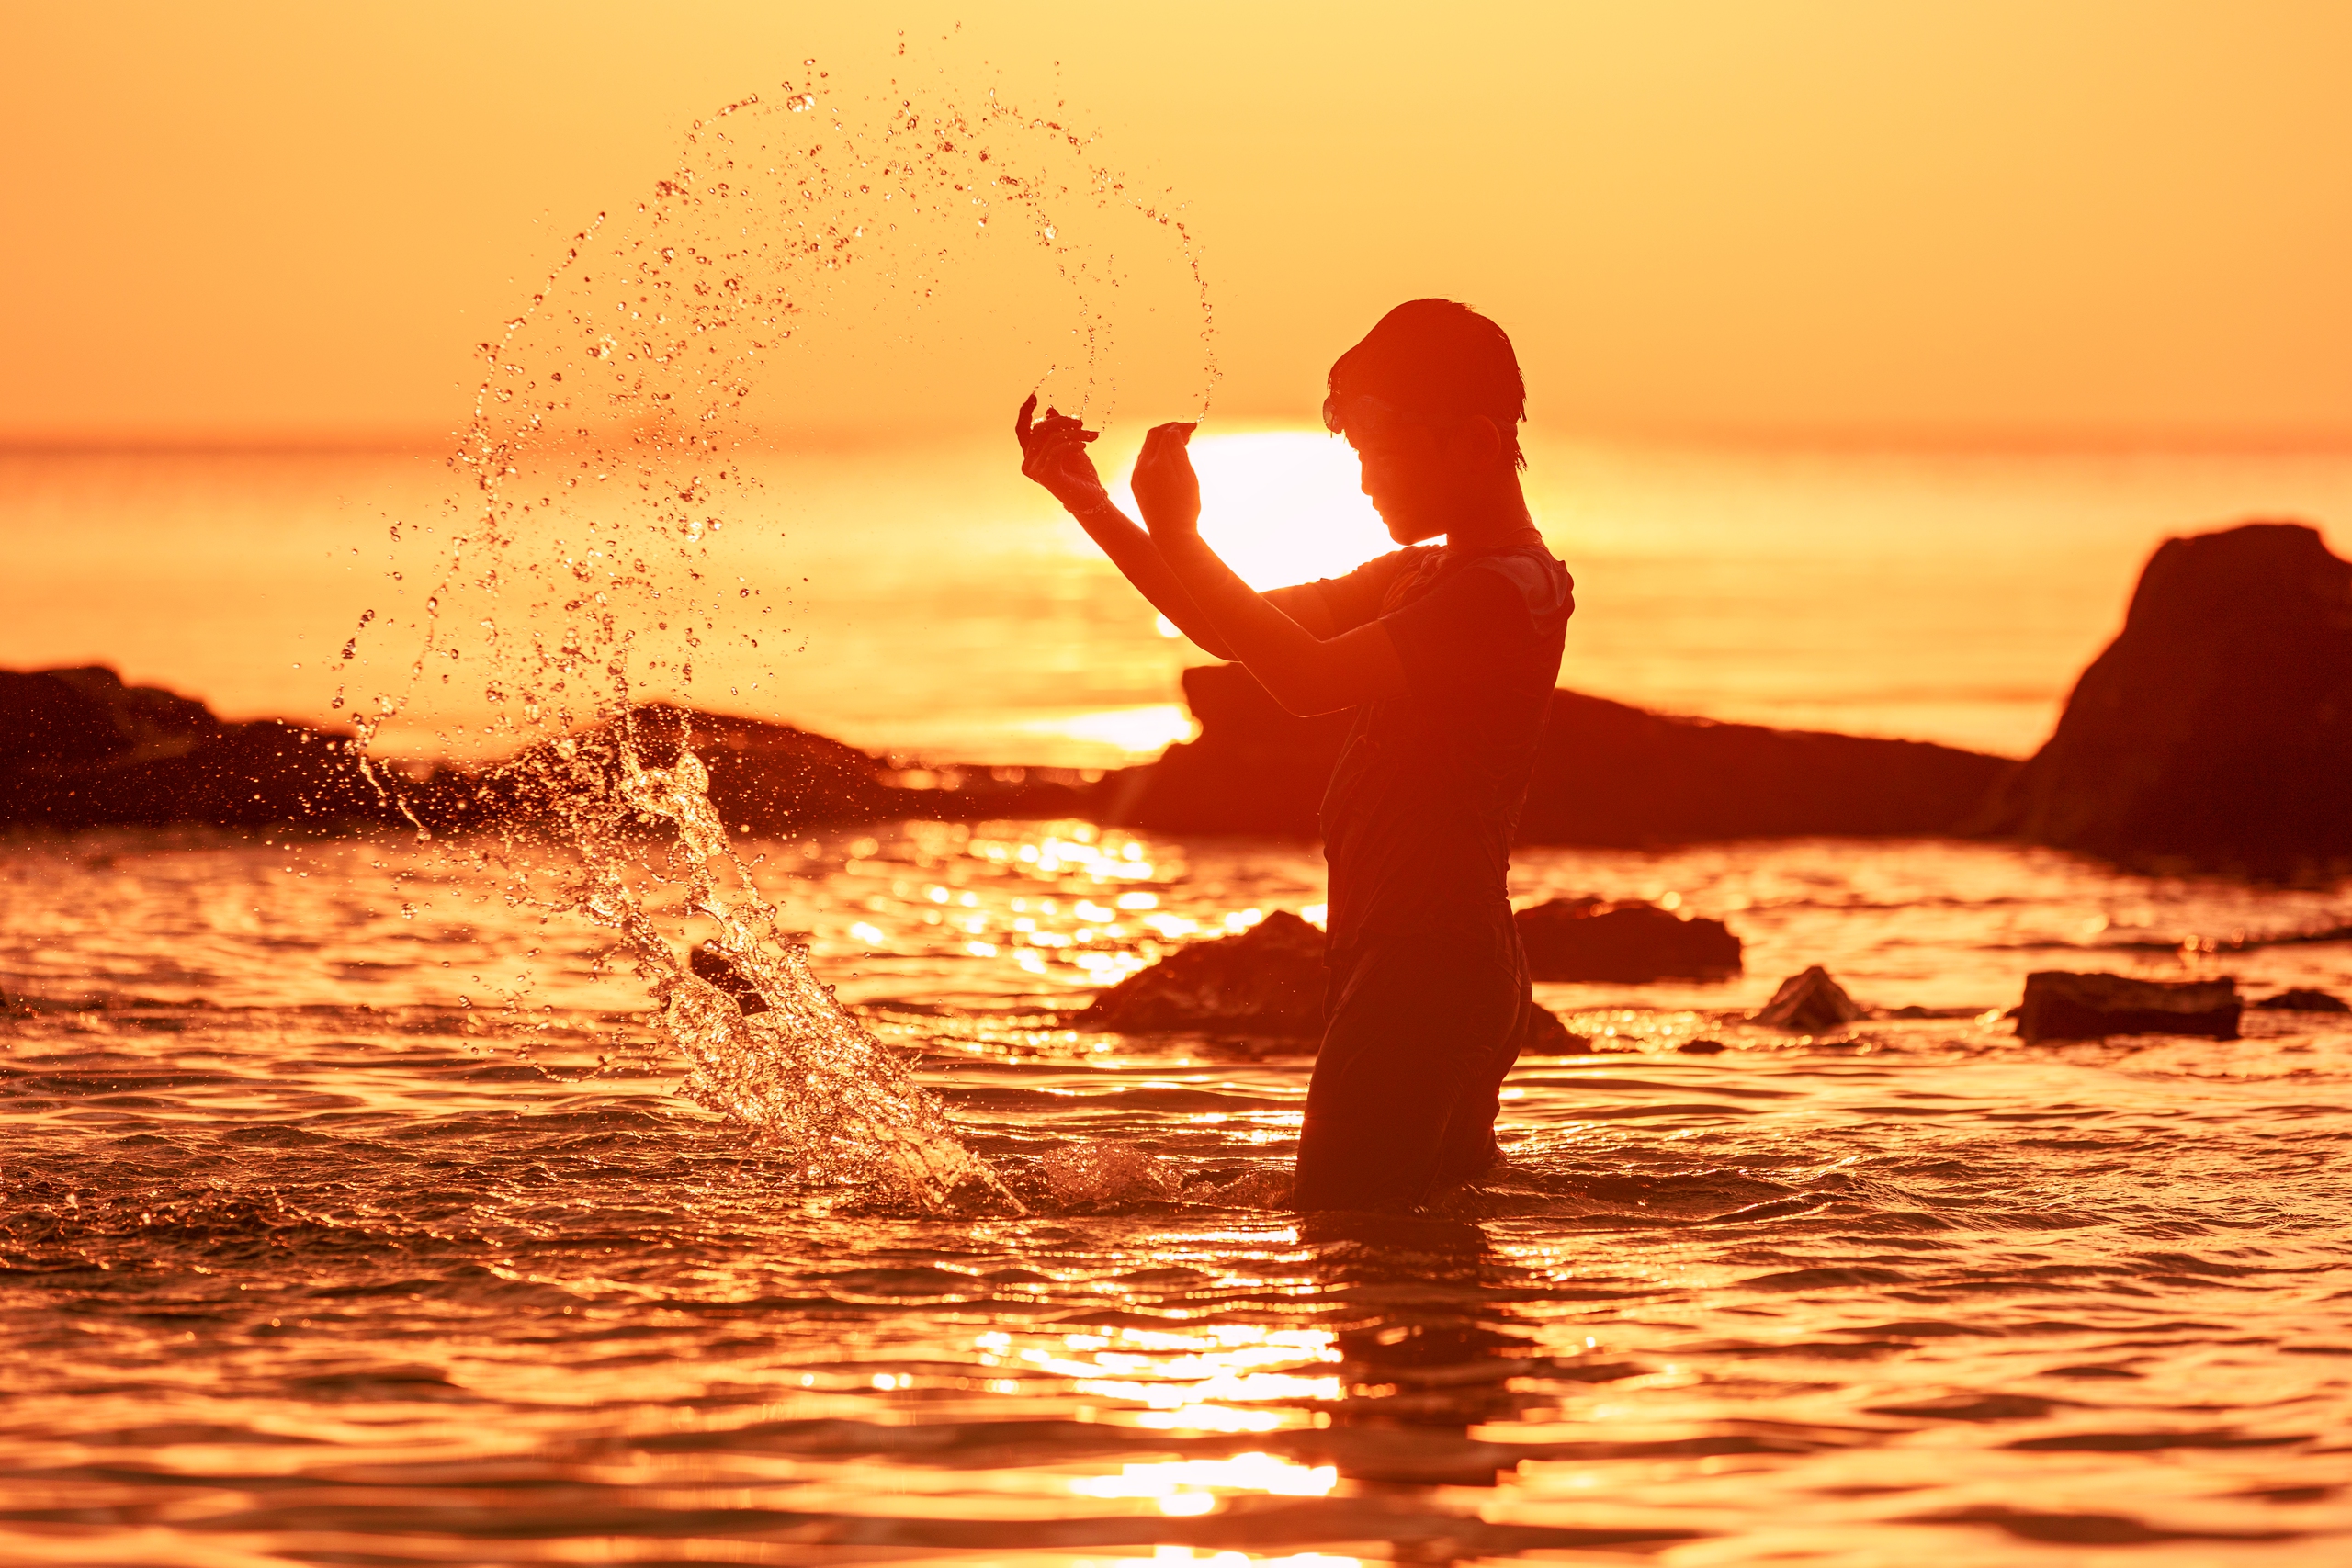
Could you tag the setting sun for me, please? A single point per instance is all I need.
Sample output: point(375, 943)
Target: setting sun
point(1284, 506)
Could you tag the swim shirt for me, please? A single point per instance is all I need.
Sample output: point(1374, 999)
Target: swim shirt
point(1421, 808)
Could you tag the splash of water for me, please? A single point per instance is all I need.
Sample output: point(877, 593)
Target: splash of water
point(586, 562)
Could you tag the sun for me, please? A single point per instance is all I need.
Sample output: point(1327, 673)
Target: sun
point(1284, 506)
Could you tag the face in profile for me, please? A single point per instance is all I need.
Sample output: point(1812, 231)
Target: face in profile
point(1415, 471)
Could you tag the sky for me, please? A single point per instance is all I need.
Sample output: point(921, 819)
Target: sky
point(1738, 219)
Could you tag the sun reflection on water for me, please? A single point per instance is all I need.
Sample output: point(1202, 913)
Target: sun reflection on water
point(1179, 1485)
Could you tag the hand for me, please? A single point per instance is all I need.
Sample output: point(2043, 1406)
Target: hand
point(1053, 452)
point(1168, 492)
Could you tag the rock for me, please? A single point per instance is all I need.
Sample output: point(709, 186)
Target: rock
point(1266, 980)
point(79, 748)
point(707, 962)
point(2063, 1006)
point(66, 718)
point(764, 778)
point(1255, 769)
point(1702, 1047)
point(1630, 943)
point(2302, 999)
point(1547, 1036)
point(1809, 1003)
point(1605, 773)
point(2215, 731)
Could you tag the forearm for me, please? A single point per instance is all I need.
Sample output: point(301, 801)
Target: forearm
point(1140, 562)
point(1303, 672)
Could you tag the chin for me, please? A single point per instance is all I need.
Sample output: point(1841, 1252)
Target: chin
point(1405, 531)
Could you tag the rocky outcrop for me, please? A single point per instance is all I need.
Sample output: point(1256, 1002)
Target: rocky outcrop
point(78, 749)
point(2216, 730)
point(1606, 773)
point(2304, 998)
point(1809, 1003)
point(1266, 980)
point(2063, 1006)
point(1627, 942)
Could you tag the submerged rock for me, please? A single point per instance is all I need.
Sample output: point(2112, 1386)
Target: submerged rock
point(1629, 943)
point(1604, 774)
point(1809, 1003)
point(2063, 1006)
point(2303, 998)
point(2215, 731)
point(1266, 980)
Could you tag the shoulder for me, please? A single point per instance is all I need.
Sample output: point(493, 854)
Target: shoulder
point(1384, 569)
point(1357, 596)
point(1537, 577)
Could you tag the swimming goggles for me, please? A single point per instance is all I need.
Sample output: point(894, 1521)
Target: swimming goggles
point(1367, 416)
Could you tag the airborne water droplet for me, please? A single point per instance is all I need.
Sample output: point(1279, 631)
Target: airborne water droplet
point(588, 636)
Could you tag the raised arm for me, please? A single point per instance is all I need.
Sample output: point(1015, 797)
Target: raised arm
point(1053, 452)
point(1304, 671)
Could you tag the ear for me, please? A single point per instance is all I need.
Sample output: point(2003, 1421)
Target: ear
point(1476, 441)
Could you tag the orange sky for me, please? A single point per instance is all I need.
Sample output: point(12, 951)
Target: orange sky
point(1754, 218)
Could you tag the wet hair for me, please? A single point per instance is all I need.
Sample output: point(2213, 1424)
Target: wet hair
point(1438, 359)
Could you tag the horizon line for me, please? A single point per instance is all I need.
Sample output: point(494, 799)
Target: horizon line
point(1894, 439)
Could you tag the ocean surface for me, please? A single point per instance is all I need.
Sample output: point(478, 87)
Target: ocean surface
point(348, 1219)
point(930, 601)
point(351, 1212)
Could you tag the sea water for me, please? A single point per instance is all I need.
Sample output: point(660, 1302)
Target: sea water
point(312, 1257)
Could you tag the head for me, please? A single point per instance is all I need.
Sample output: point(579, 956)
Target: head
point(1431, 400)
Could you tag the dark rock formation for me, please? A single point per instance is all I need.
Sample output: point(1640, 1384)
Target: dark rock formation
point(1266, 980)
point(1631, 942)
point(1547, 1036)
point(2303, 998)
point(708, 963)
point(79, 748)
point(2062, 1006)
point(1809, 1003)
point(1606, 773)
point(2216, 730)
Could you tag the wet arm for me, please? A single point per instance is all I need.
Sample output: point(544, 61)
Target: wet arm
point(1139, 561)
point(1305, 672)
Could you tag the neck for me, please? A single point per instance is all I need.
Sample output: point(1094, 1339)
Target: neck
point(1494, 514)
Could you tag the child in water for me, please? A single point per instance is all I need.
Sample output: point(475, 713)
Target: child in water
point(1448, 654)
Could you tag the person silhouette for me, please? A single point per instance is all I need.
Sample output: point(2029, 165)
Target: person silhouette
point(1448, 654)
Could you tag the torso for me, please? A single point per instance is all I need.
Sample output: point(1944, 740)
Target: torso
point(1419, 815)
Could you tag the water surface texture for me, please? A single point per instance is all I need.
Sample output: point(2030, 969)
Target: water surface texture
point(315, 1255)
